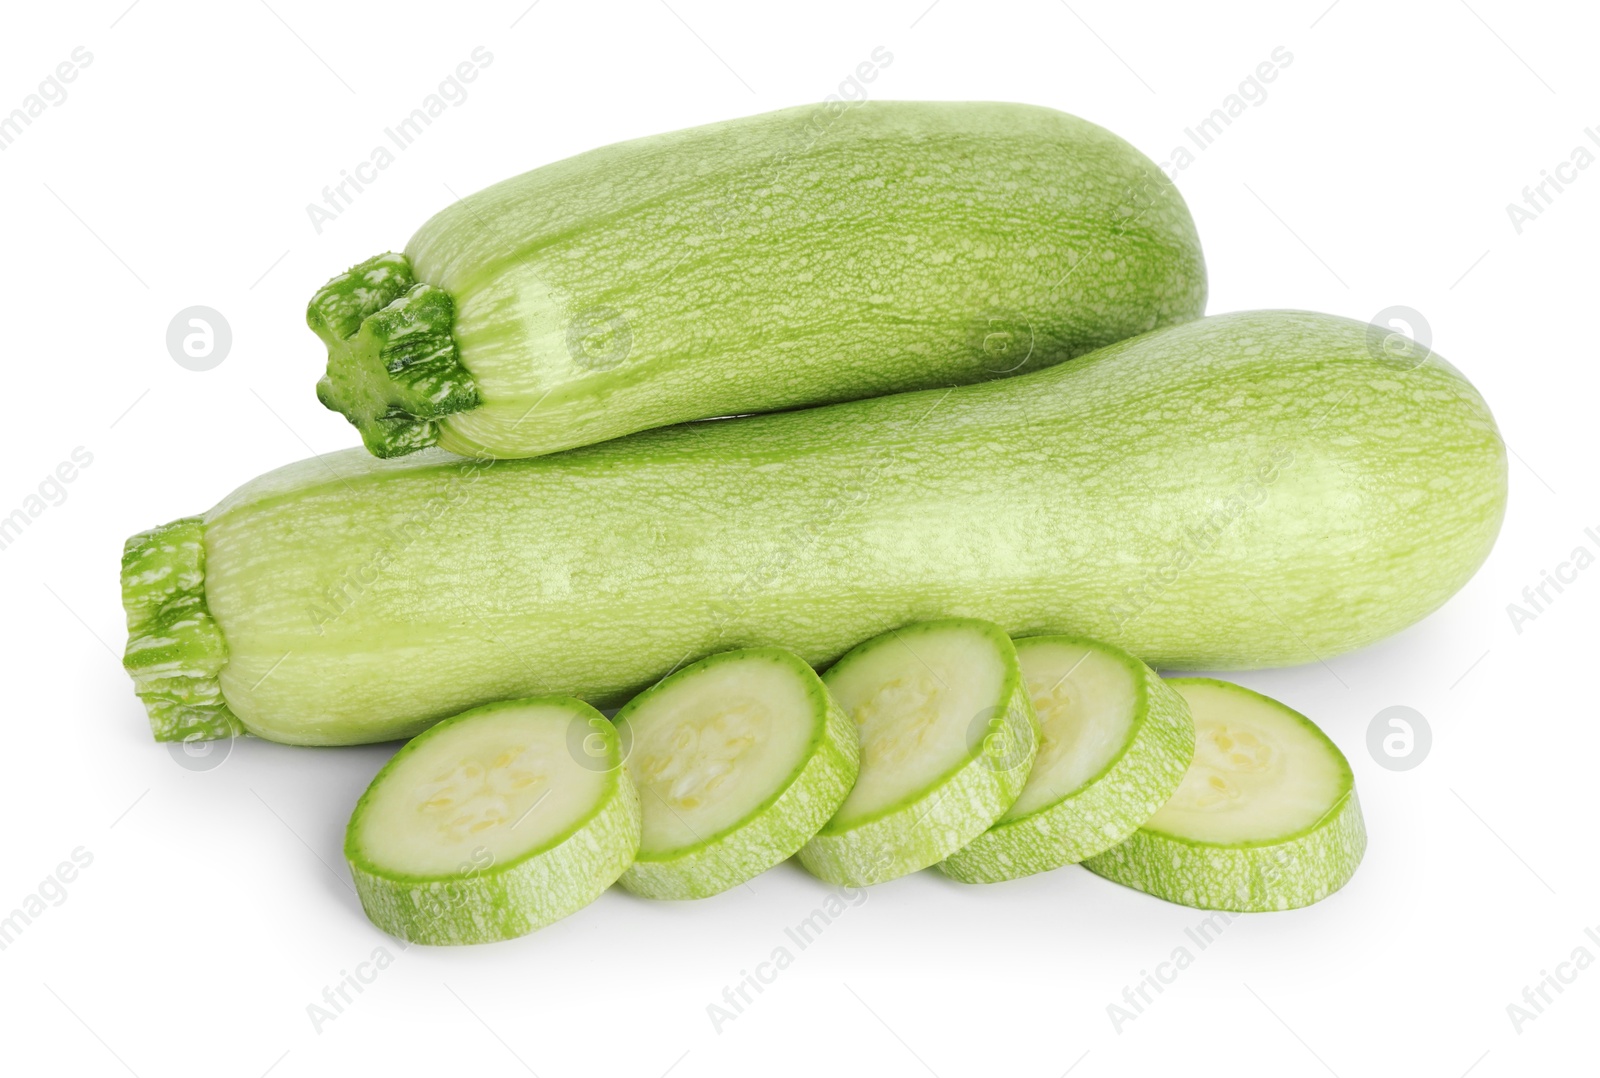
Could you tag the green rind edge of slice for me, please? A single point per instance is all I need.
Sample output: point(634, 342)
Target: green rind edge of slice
point(929, 825)
point(1106, 809)
point(175, 649)
point(774, 830)
point(507, 900)
point(1242, 879)
point(1251, 877)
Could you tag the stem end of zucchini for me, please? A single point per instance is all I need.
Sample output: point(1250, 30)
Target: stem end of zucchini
point(393, 366)
point(175, 649)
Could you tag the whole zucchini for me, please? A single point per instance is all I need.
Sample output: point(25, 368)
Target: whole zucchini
point(1247, 490)
point(795, 258)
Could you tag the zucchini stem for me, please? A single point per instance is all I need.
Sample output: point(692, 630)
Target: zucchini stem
point(393, 366)
point(175, 649)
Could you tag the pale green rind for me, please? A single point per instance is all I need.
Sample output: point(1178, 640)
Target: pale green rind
point(174, 649)
point(1248, 490)
point(1105, 810)
point(502, 902)
point(1251, 877)
point(928, 826)
point(1239, 879)
point(771, 833)
point(800, 257)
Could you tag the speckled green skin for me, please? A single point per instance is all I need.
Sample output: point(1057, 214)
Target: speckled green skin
point(1248, 490)
point(772, 831)
point(1103, 811)
point(930, 824)
point(1289, 872)
point(483, 904)
point(805, 256)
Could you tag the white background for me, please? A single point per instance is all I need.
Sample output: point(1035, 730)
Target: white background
point(217, 907)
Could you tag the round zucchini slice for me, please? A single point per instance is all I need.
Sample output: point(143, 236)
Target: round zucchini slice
point(489, 825)
point(739, 759)
point(947, 737)
point(1266, 817)
point(1115, 741)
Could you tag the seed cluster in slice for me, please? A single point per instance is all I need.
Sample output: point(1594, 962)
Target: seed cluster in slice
point(947, 737)
point(1266, 817)
point(489, 825)
point(739, 759)
point(1114, 743)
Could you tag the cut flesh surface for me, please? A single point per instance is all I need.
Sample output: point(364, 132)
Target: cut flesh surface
point(489, 825)
point(1260, 773)
point(504, 784)
point(947, 736)
point(1114, 743)
point(739, 760)
point(913, 698)
point(1265, 818)
point(1085, 699)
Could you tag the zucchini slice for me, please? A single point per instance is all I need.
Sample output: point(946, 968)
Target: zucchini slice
point(1266, 817)
point(1114, 743)
point(489, 825)
point(739, 759)
point(947, 738)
